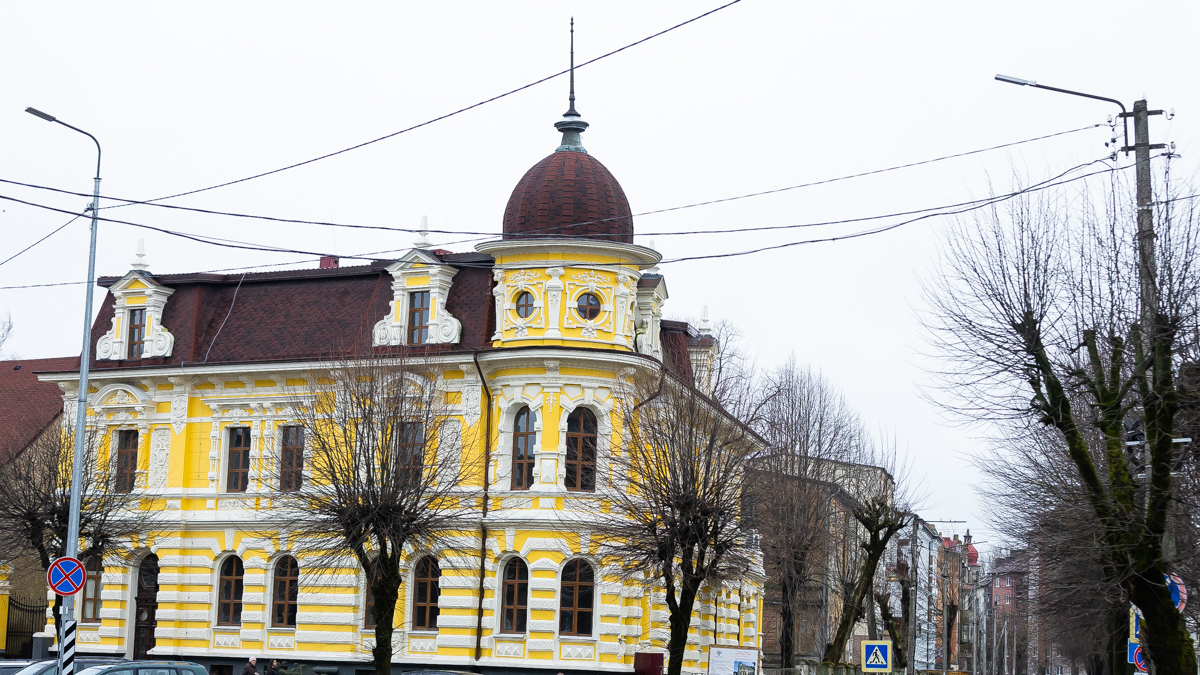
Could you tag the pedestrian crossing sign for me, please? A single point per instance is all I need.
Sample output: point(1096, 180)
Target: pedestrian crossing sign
point(876, 656)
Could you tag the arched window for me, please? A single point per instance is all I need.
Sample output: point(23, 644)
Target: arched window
point(90, 611)
point(287, 587)
point(576, 599)
point(522, 460)
point(581, 450)
point(525, 305)
point(425, 594)
point(229, 603)
point(516, 596)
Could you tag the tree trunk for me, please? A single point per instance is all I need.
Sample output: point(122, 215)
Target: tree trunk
point(896, 628)
point(386, 590)
point(834, 651)
point(787, 623)
point(681, 621)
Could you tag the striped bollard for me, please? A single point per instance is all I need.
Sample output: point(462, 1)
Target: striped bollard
point(66, 652)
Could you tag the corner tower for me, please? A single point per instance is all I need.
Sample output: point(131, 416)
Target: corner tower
point(567, 271)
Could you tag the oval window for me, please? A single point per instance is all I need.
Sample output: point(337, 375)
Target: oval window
point(588, 306)
point(525, 304)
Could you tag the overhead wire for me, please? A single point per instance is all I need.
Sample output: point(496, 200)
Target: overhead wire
point(540, 232)
point(438, 118)
point(56, 230)
point(969, 206)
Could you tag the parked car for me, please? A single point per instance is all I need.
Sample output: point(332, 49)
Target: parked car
point(51, 667)
point(145, 668)
point(11, 667)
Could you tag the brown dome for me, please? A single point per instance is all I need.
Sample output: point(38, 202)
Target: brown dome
point(569, 193)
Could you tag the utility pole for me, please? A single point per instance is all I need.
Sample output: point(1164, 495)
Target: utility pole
point(1145, 215)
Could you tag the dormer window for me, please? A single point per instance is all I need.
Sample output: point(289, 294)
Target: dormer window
point(137, 332)
point(418, 318)
point(417, 314)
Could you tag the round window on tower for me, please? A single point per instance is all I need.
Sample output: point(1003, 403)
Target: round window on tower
point(588, 306)
point(525, 305)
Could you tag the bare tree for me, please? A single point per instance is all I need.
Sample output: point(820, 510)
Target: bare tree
point(382, 460)
point(676, 509)
point(811, 431)
point(6, 329)
point(35, 500)
point(1037, 314)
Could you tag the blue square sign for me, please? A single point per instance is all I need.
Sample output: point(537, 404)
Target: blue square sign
point(876, 656)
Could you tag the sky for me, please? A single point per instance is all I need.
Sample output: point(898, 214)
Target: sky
point(758, 96)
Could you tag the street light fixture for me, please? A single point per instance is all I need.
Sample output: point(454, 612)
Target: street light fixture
point(72, 542)
point(1030, 83)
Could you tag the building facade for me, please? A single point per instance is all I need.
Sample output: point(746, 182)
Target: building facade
point(530, 336)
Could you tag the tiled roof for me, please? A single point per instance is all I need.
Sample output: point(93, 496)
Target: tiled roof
point(27, 406)
point(294, 314)
point(565, 194)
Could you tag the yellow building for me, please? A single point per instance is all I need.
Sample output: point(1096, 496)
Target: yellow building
point(530, 331)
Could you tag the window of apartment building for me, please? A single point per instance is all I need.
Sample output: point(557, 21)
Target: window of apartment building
point(522, 459)
point(425, 594)
point(238, 476)
point(369, 614)
point(91, 591)
point(287, 589)
point(576, 595)
point(1007, 599)
point(127, 442)
point(229, 603)
point(997, 582)
point(291, 459)
point(418, 317)
point(515, 596)
point(137, 332)
point(1008, 581)
point(581, 450)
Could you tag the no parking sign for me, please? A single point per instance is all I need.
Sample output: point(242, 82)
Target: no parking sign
point(66, 576)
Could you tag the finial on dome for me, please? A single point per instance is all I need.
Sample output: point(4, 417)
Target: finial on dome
point(423, 240)
point(139, 262)
point(705, 325)
point(572, 124)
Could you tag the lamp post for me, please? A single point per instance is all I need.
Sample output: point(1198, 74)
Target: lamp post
point(72, 542)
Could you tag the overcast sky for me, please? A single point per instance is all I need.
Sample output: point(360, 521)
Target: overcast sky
point(758, 96)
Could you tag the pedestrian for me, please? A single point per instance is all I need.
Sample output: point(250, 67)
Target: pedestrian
point(273, 669)
point(251, 667)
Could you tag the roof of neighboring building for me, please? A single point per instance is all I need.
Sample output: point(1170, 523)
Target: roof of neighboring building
point(27, 405)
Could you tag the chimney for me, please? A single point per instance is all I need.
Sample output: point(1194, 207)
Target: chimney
point(329, 261)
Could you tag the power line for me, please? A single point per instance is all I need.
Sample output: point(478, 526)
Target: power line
point(539, 232)
point(42, 239)
point(964, 208)
point(440, 117)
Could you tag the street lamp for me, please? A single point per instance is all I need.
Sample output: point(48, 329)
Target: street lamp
point(72, 543)
point(1030, 83)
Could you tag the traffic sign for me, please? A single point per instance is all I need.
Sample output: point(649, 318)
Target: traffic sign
point(1178, 591)
point(1130, 648)
point(66, 576)
point(1139, 659)
point(876, 656)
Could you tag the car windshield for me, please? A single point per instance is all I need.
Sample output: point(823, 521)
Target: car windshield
point(94, 670)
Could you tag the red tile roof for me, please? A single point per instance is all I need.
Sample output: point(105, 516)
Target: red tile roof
point(27, 405)
point(569, 193)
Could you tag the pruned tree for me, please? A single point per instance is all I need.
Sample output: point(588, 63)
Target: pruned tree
point(1040, 312)
point(382, 470)
point(35, 499)
point(676, 507)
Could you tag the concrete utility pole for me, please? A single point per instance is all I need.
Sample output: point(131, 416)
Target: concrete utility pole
point(1145, 216)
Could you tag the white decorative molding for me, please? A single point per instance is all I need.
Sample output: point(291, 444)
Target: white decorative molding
point(422, 645)
point(137, 290)
point(569, 652)
point(509, 649)
point(281, 642)
point(443, 327)
point(160, 456)
point(88, 636)
point(229, 640)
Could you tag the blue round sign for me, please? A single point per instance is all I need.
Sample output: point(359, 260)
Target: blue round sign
point(66, 576)
point(1139, 659)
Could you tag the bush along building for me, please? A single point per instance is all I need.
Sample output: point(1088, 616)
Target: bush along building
point(202, 393)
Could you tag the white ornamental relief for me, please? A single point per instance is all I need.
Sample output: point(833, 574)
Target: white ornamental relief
point(591, 277)
point(523, 277)
point(160, 457)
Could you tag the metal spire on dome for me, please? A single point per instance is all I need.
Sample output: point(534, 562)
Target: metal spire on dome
point(572, 124)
